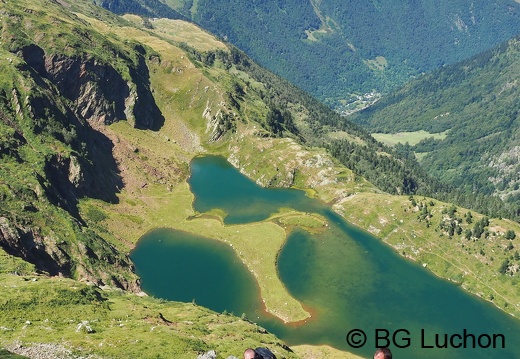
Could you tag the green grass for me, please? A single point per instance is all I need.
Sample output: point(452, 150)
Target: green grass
point(10, 264)
point(308, 221)
point(4, 354)
point(378, 64)
point(412, 138)
point(322, 351)
point(156, 195)
point(420, 155)
point(38, 309)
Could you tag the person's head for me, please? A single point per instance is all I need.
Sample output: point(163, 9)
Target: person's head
point(383, 353)
point(249, 354)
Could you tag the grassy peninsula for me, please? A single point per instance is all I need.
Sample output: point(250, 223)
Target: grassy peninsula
point(85, 173)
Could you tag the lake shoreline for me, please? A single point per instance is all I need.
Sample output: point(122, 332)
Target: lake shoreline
point(255, 233)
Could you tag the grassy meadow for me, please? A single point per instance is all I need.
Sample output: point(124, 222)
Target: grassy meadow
point(161, 197)
point(82, 320)
point(154, 167)
point(412, 138)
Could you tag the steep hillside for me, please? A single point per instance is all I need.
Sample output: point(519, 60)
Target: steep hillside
point(333, 49)
point(148, 8)
point(50, 156)
point(100, 117)
point(63, 84)
point(99, 114)
point(46, 317)
point(476, 104)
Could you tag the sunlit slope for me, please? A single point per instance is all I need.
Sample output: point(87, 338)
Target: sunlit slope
point(334, 48)
point(100, 118)
point(62, 318)
point(474, 104)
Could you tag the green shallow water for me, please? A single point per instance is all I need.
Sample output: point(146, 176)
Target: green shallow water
point(350, 279)
point(186, 267)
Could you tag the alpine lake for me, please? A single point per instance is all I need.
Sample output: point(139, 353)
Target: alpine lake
point(344, 276)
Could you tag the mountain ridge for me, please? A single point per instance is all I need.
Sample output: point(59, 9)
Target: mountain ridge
point(475, 102)
point(333, 51)
point(208, 103)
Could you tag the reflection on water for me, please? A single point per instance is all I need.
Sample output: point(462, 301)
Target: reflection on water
point(186, 267)
point(350, 279)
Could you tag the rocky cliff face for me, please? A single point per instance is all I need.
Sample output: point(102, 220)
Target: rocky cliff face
point(86, 257)
point(98, 92)
point(27, 243)
point(56, 112)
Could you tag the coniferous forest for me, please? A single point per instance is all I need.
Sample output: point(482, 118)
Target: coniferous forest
point(105, 117)
point(332, 49)
point(476, 103)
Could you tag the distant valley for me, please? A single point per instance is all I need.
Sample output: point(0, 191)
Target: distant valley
point(471, 110)
point(333, 50)
point(102, 114)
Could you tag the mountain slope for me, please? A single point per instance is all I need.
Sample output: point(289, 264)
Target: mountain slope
point(148, 8)
point(63, 84)
point(476, 102)
point(49, 155)
point(101, 116)
point(332, 48)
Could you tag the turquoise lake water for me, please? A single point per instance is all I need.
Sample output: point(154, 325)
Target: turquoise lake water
point(350, 279)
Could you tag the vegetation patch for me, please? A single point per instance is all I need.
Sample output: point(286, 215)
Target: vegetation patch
point(412, 138)
point(308, 221)
point(84, 320)
point(377, 64)
point(89, 191)
point(322, 351)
